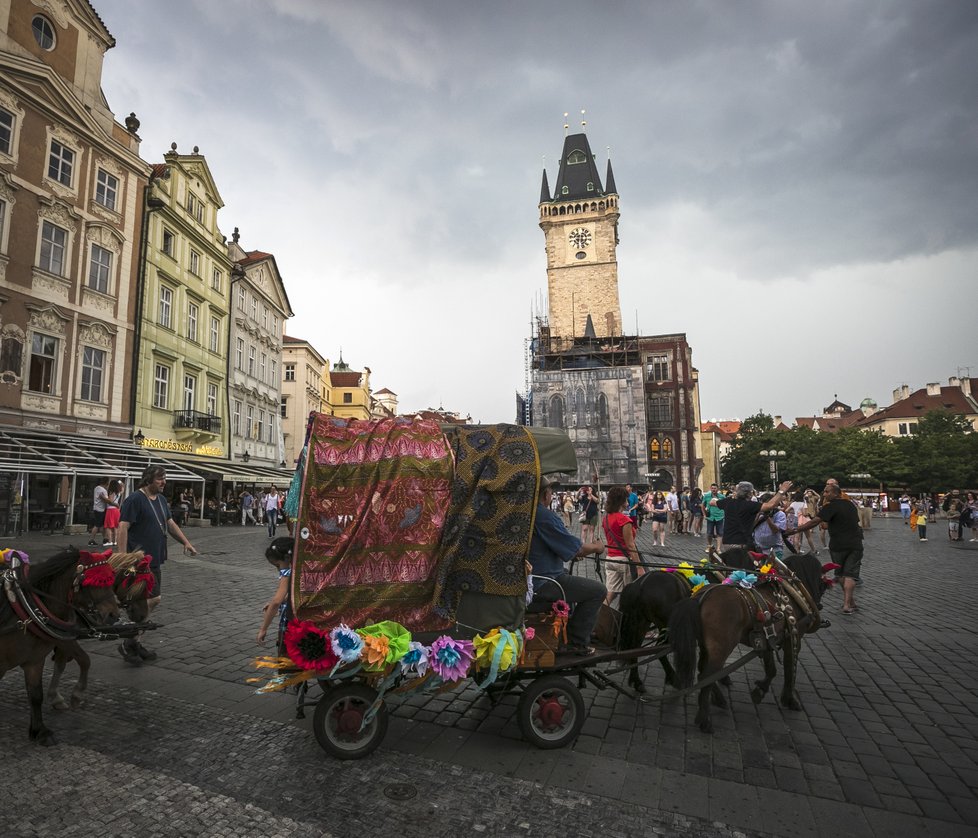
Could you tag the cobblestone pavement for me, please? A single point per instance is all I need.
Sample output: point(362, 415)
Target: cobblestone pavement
point(887, 743)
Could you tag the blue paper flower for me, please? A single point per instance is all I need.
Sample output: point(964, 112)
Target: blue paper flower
point(347, 644)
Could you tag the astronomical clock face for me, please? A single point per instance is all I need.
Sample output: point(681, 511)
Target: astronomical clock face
point(580, 237)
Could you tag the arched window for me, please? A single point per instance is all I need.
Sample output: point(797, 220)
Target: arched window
point(655, 449)
point(579, 410)
point(603, 418)
point(564, 190)
point(556, 412)
point(667, 449)
point(576, 156)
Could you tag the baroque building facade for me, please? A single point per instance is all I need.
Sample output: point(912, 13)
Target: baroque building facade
point(71, 198)
point(260, 307)
point(304, 391)
point(182, 329)
point(629, 403)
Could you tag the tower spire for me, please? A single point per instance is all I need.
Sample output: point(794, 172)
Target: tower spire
point(545, 188)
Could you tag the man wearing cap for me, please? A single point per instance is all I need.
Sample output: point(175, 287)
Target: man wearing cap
point(551, 546)
point(740, 512)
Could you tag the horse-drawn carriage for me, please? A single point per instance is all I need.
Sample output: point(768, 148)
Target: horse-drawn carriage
point(410, 574)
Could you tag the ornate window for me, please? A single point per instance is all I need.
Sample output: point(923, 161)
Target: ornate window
point(106, 189)
point(193, 313)
point(655, 449)
point(11, 354)
point(604, 420)
point(6, 131)
point(100, 269)
point(658, 367)
point(93, 370)
point(54, 242)
point(575, 157)
point(61, 163)
point(161, 386)
point(43, 32)
point(580, 414)
point(44, 363)
point(660, 410)
point(667, 449)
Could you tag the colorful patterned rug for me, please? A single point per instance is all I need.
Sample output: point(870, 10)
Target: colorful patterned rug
point(374, 503)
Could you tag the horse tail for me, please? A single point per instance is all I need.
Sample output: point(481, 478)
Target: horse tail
point(685, 631)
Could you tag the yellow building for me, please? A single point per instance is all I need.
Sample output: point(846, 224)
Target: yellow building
point(183, 320)
point(349, 391)
point(303, 389)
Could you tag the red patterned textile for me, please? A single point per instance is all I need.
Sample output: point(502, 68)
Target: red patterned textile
point(374, 500)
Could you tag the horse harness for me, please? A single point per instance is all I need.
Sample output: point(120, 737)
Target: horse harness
point(29, 611)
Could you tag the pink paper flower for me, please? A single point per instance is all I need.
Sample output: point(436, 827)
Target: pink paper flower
point(450, 659)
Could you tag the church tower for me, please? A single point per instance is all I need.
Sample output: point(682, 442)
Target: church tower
point(580, 224)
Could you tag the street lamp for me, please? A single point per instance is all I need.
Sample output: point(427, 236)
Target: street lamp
point(772, 457)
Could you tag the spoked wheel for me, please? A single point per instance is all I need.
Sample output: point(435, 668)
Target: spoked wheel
point(551, 712)
point(339, 717)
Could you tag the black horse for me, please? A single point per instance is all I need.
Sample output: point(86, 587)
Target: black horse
point(47, 592)
point(725, 615)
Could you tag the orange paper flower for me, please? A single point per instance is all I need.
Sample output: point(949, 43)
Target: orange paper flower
point(375, 650)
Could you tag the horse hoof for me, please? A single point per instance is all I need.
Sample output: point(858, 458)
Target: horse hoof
point(757, 695)
point(60, 705)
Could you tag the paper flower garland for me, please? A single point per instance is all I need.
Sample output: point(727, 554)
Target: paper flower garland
point(561, 611)
point(414, 664)
point(487, 644)
point(450, 659)
point(9, 555)
point(346, 643)
point(309, 647)
point(383, 643)
point(698, 581)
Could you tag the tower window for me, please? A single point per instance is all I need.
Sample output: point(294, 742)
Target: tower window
point(576, 156)
point(590, 187)
point(564, 190)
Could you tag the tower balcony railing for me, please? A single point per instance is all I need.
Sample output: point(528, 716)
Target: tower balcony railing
point(196, 421)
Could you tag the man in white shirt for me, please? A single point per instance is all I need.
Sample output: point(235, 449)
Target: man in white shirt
point(97, 522)
point(672, 503)
point(270, 500)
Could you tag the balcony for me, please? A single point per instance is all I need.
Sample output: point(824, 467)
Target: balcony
point(196, 421)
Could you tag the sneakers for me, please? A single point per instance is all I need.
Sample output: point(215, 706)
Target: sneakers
point(923, 539)
point(130, 655)
point(92, 542)
point(106, 543)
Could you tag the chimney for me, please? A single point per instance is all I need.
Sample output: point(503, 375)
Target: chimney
point(897, 395)
point(777, 421)
point(933, 389)
point(954, 381)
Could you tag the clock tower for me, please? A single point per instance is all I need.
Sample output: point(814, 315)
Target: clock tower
point(580, 224)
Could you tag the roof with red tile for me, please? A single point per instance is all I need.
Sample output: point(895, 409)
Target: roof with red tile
point(920, 402)
point(725, 426)
point(345, 379)
point(255, 256)
point(385, 390)
point(159, 170)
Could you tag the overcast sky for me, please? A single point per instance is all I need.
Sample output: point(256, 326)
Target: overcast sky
point(798, 180)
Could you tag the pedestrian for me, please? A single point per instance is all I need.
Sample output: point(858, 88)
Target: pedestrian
point(768, 533)
point(969, 516)
point(246, 500)
point(632, 509)
point(905, 508)
point(741, 512)
point(660, 519)
point(685, 512)
point(619, 535)
point(714, 519)
point(279, 555)
point(866, 513)
point(696, 511)
point(113, 501)
point(845, 540)
point(791, 523)
point(96, 521)
point(812, 503)
point(550, 546)
point(589, 514)
point(921, 513)
point(145, 521)
point(569, 508)
point(674, 513)
point(272, 504)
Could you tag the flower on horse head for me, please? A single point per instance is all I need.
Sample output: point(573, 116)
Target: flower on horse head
point(309, 646)
point(346, 643)
point(415, 660)
point(742, 578)
point(450, 658)
point(561, 609)
point(8, 555)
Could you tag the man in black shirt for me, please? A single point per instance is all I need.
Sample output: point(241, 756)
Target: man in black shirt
point(740, 512)
point(845, 539)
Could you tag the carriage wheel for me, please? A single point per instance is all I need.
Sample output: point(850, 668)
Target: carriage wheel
point(339, 716)
point(551, 712)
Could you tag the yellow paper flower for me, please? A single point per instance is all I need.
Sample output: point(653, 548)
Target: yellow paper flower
point(685, 568)
point(697, 587)
point(767, 568)
point(485, 649)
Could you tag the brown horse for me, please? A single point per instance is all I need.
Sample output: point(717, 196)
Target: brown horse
point(649, 601)
point(131, 584)
point(40, 617)
point(768, 617)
